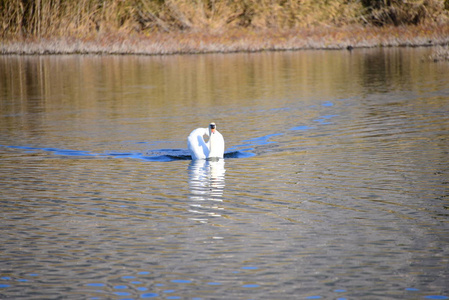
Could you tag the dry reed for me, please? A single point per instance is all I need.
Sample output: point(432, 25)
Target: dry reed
point(182, 26)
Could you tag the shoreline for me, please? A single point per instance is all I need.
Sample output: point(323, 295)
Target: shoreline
point(232, 41)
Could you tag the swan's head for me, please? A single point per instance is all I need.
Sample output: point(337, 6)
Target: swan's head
point(212, 127)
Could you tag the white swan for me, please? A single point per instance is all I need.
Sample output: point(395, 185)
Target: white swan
point(199, 149)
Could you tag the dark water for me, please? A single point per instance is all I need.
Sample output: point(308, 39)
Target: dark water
point(335, 183)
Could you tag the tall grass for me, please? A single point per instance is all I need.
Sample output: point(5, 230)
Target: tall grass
point(44, 18)
point(198, 26)
point(405, 12)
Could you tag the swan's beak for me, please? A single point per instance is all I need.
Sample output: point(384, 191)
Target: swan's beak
point(212, 127)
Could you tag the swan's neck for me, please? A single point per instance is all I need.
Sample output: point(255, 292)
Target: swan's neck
point(214, 145)
point(209, 143)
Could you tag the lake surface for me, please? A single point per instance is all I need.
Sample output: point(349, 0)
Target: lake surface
point(335, 182)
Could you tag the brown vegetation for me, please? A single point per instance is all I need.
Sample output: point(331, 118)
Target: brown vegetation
point(182, 26)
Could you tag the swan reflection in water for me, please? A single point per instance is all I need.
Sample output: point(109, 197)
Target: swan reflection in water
point(206, 184)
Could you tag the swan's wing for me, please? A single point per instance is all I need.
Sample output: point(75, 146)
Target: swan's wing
point(195, 142)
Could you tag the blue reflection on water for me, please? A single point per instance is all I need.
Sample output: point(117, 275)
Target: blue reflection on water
point(121, 293)
point(95, 284)
point(149, 295)
point(144, 273)
point(250, 268)
point(251, 285)
point(160, 155)
point(120, 287)
point(181, 281)
point(304, 127)
point(323, 120)
point(328, 116)
point(262, 140)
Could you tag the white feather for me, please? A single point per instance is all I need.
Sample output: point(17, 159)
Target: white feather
point(199, 149)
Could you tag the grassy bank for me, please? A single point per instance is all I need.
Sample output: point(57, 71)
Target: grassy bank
point(181, 26)
point(232, 41)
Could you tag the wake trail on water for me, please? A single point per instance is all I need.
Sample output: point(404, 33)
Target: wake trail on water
point(161, 155)
point(247, 148)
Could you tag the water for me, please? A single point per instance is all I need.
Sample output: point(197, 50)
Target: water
point(334, 186)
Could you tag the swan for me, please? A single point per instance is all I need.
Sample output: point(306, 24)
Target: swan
point(199, 149)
